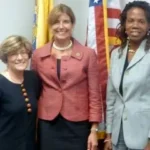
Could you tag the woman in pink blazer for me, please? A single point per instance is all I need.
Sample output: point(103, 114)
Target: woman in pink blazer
point(70, 105)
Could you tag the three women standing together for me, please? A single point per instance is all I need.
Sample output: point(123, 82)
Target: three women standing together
point(65, 83)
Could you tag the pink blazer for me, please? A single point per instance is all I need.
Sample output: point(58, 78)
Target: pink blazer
point(76, 96)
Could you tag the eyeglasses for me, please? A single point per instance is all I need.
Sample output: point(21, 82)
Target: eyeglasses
point(24, 54)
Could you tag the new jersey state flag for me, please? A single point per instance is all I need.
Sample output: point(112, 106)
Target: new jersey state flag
point(41, 33)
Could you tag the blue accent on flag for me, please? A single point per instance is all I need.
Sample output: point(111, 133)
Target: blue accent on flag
point(95, 3)
point(34, 43)
point(34, 18)
point(34, 31)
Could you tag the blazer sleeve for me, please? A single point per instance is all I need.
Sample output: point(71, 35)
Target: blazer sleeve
point(110, 100)
point(95, 99)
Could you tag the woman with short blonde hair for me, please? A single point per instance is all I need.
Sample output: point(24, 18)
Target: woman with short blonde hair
point(14, 44)
point(19, 91)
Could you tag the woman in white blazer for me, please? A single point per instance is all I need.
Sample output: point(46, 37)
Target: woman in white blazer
point(128, 90)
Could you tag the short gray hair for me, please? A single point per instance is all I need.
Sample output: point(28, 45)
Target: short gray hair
point(14, 44)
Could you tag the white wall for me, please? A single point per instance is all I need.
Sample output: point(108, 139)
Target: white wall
point(16, 17)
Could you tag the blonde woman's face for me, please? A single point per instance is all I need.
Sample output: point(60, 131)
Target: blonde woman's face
point(18, 61)
point(62, 29)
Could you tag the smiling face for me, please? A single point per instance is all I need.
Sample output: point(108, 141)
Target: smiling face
point(136, 24)
point(18, 61)
point(62, 28)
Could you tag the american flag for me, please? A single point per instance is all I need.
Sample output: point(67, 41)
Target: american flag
point(97, 38)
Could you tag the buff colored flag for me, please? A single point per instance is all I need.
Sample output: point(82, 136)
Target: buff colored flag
point(41, 33)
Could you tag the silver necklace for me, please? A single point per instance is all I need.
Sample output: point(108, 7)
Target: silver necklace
point(62, 48)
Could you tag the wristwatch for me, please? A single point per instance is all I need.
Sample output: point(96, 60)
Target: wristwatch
point(94, 129)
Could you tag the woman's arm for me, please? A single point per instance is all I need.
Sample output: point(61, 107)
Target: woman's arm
point(95, 101)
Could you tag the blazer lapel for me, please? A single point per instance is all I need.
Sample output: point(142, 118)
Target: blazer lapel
point(140, 53)
point(118, 69)
point(122, 61)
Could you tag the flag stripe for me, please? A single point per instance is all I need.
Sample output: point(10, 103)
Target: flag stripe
point(113, 23)
point(114, 10)
point(112, 32)
point(100, 40)
point(114, 4)
point(91, 42)
point(113, 13)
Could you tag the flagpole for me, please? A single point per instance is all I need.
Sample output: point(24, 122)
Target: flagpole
point(106, 33)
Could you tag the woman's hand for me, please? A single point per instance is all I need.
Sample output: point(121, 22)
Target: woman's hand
point(92, 141)
point(108, 144)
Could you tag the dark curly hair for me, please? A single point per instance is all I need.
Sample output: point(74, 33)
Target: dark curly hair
point(120, 33)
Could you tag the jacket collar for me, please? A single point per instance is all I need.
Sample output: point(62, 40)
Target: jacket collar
point(45, 50)
point(77, 52)
point(140, 53)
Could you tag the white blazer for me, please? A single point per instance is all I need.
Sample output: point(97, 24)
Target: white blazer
point(133, 108)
